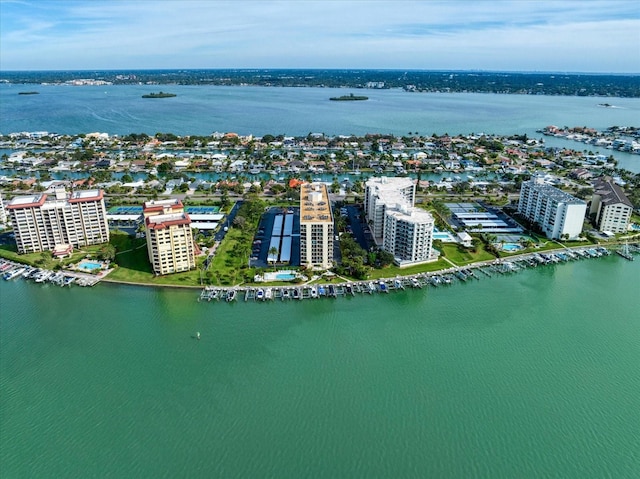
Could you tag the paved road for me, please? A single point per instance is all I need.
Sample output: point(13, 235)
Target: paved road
point(219, 236)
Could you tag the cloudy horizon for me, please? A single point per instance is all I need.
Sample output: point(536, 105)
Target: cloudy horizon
point(544, 36)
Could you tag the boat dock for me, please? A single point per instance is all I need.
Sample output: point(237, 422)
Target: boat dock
point(11, 270)
point(435, 279)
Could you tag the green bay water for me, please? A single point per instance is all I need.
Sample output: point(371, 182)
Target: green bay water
point(529, 375)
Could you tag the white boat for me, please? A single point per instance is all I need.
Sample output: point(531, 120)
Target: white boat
point(268, 294)
point(43, 276)
point(13, 273)
point(260, 294)
point(314, 292)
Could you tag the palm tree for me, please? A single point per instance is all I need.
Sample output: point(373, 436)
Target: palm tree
point(273, 253)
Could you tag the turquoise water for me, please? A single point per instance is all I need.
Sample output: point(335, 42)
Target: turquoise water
point(285, 276)
point(511, 247)
point(89, 265)
point(442, 236)
point(528, 375)
point(522, 376)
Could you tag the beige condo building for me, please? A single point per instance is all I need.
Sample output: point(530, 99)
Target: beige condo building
point(42, 221)
point(169, 239)
point(610, 208)
point(316, 226)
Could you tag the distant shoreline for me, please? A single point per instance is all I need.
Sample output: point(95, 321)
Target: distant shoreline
point(449, 81)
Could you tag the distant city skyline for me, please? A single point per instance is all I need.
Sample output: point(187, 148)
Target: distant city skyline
point(571, 36)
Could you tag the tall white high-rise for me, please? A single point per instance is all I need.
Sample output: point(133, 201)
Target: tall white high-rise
point(559, 214)
point(397, 225)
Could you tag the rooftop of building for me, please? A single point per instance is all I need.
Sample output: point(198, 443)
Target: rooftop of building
point(410, 214)
point(164, 221)
point(390, 183)
point(554, 193)
point(314, 204)
point(162, 205)
point(85, 194)
point(27, 200)
point(610, 192)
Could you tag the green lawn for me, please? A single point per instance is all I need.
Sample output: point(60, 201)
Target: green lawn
point(229, 265)
point(134, 266)
point(44, 259)
point(392, 271)
point(463, 257)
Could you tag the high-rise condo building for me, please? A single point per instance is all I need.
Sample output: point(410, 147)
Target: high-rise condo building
point(383, 193)
point(169, 239)
point(559, 215)
point(316, 226)
point(41, 221)
point(610, 208)
point(397, 225)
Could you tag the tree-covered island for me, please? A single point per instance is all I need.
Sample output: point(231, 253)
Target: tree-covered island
point(160, 94)
point(350, 97)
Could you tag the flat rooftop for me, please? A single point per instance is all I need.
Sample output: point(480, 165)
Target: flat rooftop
point(314, 204)
point(25, 200)
point(85, 194)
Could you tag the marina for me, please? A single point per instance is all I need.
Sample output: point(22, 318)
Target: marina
point(11, 270)
point(447, 277)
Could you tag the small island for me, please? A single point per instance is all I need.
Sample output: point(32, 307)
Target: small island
point(28, 92)
point(350, 97)
point(161, 94)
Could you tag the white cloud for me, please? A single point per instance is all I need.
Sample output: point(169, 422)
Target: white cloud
point(513, 35)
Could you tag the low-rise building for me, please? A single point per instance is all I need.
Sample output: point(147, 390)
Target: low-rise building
point(559, 214)
point(169, 239)
point(41, 221)
point(610, 208)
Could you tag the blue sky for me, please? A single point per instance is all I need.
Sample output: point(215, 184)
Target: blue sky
point(525, 35)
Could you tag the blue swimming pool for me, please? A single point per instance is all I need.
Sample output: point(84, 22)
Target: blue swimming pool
point(441, 236)
point(511, 247)
point(285, 276)
point(89, 265)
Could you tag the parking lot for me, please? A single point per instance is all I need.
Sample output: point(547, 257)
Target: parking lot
point(357, 226)
point(262, 239)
